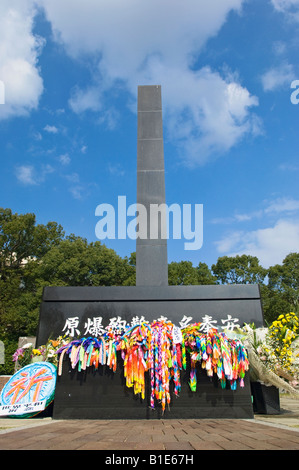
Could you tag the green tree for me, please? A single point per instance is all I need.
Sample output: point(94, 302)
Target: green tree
point(22, 240)
point(204, 275)
point(75, 262)
point(16, 243)
point(22, 243)
point(274, 304)
point(182, 273)
point(244, 269)
point(283, 284)
point(131, 270)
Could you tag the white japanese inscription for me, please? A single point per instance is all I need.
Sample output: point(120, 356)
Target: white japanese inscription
point(71, 326)
point(137, 321)
point(117, 324)
point(162, 318)
point(230, 323)
point(185, 321)
point(94, 326)
point(207, 323)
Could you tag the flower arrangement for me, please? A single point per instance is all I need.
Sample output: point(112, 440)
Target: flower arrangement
point(283, 340)
point(274, 352)
point(46, 353)
point(23, 356)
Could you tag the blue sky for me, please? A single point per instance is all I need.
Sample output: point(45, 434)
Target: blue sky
point(68, 128)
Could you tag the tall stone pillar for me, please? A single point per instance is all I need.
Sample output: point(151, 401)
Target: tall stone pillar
point(151, 251)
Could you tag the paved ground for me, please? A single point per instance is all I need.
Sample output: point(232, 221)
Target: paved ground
point(271, 432)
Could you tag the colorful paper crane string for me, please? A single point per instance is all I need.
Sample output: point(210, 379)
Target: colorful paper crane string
point(217, 354)
point(161, 362)
point(86, 352)
point(134, 346)
point(151, 348)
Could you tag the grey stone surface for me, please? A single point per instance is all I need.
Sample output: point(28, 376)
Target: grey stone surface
point(151, 247)
point(151, 151)
point(2, 353)
point(23, 340)
point(149, 98)
point(154, 257)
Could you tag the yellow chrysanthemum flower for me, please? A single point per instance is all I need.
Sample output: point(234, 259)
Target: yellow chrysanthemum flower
point(36, 352)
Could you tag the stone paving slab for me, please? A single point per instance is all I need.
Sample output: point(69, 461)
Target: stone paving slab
point(182, 435)
point(264, 432)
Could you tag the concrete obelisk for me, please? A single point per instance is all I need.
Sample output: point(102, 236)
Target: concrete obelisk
point(151, 251)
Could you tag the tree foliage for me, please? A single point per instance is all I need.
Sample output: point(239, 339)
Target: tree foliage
point(244, 269)
point(184, 273)
point(284, 279)
point(22, 245)
point(282, 291)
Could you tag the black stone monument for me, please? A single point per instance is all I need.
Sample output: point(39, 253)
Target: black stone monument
point(103, 394)
point(151, 253)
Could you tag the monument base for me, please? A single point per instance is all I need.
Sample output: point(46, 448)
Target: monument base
point(103, 394)
point(265, 399)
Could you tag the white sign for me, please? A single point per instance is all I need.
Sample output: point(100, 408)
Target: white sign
point(177, 335)
point(22, 408)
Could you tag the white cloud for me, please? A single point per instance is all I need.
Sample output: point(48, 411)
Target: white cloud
point(278, 77)
point(278, 237)
point(84, 100)
point(228, 243)
point(26, 175)
point(37, 136)
point(210, 115)
point(206, 111)
point(73, 178)
point(76, 188)
point(19, 52)
point(271, 245)
point(283, 205)
point(51, 129)
point(116, 169)
point(279, 47)
point(288, 7)
point(283, 5)
point(127, 33)
point(288, 206)
point(31, 176)
point(65, 159)
point(77, 191)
